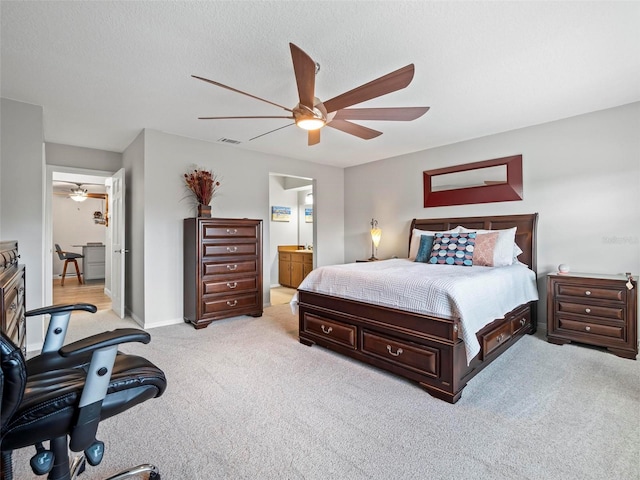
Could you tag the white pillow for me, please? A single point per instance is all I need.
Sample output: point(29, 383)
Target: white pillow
point(415, 239)
point(506, 248)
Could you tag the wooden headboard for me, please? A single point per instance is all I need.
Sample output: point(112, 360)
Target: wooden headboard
point(525, 233)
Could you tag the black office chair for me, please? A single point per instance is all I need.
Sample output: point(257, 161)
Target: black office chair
point(68, 257)
point(63, 394)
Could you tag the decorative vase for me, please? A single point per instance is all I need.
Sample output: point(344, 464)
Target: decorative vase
point(204, 210)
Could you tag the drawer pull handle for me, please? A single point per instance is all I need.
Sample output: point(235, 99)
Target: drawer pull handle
point(13, 306)
point(232, 231)
point(326, 330)
point(587, 292)
point(523, 321)
point(588, 310)
point(587, 328)
point(232, 285)
point(397, 352)
point(232, 267)
point(232, 249)
point(232, 304)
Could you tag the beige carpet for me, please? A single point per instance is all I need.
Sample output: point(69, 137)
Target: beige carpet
point(246, 400)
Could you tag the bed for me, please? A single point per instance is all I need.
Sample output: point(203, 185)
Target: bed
point(426, 348)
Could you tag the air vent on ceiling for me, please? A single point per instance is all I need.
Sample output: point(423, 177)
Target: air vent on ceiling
point(229, 140)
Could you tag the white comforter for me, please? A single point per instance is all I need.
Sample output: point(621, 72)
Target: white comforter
point(476, 295)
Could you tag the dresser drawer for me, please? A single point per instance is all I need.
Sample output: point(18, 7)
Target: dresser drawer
point(586, 291)
point(613, 312)
point(333, 331)
point(210, 250)
point(245, 266)
point(228, 303)
point(571, 325)
point(229, 231)
point(419, 358)
point(229, 286)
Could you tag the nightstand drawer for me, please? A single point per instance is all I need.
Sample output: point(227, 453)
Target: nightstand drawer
point(615, 313)
point(586, 291)
point(589, 328)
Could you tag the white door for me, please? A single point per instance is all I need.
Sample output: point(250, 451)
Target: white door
point(115, 185)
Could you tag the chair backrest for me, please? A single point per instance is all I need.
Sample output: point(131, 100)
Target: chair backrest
point(13, 379)
point(60, 252)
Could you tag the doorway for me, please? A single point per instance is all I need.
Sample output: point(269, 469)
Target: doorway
point(294, 227)
point(77, 219)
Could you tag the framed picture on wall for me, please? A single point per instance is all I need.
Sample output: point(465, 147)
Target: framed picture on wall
point(280, 214)
point(308, 214)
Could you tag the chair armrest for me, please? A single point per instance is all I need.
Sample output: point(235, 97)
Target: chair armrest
point(103, 348)
point(53, 309)
point(105, 339)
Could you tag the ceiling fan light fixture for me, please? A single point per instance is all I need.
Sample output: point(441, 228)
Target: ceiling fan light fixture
point(309, 119)
point(78, 194)
point(310, 123)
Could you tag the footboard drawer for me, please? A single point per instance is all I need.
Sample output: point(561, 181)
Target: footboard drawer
point(335, 332)
point(495, 338)
point(419, 358)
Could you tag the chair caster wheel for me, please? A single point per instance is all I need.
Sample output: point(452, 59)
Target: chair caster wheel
point(154, 476)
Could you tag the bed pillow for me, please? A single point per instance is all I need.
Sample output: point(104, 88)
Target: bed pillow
point(415, 239)
point(505, 248)
point(485, 246)
point(424, 250)
point(453, 249)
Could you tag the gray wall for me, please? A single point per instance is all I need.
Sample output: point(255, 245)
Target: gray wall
point(81, 157)
point(22, 173)
point(582, 175)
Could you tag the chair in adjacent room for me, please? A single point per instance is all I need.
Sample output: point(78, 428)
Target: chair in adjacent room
point(62, 395)
point(69, 257)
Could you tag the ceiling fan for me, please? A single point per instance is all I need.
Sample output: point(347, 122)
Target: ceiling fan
point(312, 114)
point(80, 194)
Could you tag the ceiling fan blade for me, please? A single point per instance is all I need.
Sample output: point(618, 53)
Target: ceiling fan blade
point(240, 91)
point(314, 137)
point(235, 118)
point(271, 131)
point(392, 114)
point(305, 69)
point(354, 129)
point(391, 82)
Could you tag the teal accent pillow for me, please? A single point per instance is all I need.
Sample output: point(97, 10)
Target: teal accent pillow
point(453, 249)
point(424, 250)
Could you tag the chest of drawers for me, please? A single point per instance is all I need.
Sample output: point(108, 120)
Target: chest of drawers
point(593, 309)
point(12, 288)
point(222, 269)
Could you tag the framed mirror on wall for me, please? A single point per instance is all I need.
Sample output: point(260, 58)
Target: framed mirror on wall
point(497, 180)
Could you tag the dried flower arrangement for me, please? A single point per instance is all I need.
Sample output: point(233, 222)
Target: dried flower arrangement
point(203, 183)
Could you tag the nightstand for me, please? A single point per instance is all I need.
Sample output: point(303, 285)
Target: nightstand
point(593, 309)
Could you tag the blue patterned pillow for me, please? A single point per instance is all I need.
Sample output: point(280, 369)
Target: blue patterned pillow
point(453, 249)
point(424, 250)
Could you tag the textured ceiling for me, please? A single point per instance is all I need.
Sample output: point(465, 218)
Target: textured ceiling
point(105, 70)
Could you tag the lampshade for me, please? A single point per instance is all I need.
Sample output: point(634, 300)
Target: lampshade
point(376, 233)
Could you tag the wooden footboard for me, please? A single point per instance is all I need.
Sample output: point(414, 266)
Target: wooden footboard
point(421, 348)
